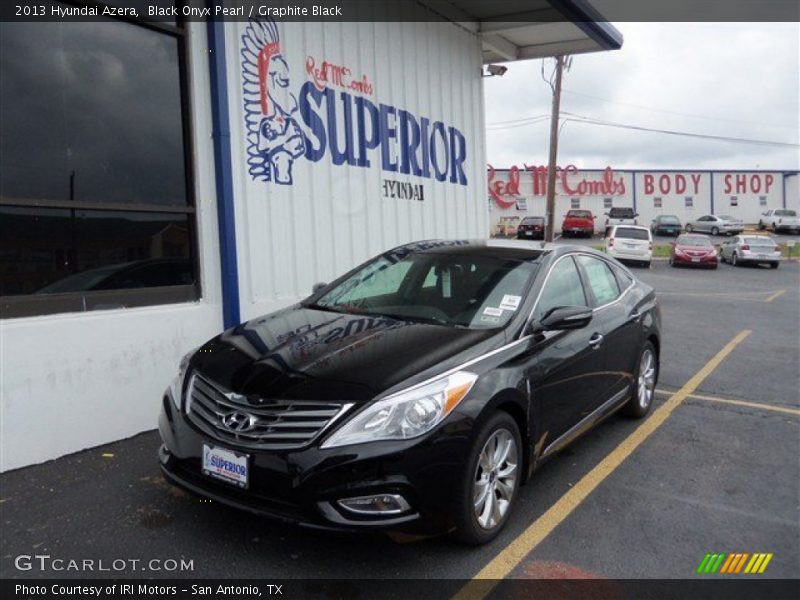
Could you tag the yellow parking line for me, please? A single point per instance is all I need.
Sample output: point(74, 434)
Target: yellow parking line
point(508, 558)
point(775, 295)
point(758, 405)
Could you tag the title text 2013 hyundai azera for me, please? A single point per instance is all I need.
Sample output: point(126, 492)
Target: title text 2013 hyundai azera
point(418, 391)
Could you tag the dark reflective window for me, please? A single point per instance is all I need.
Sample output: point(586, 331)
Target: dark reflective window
point(95, 190)
point(49, 251)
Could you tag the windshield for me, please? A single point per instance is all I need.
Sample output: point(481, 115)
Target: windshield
point(581, 214)
point(458, 291)
point(700, 242)
point(785, 213)
point(670, 219)
point(631, 233)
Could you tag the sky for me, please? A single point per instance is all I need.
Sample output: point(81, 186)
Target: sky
point(722, 79)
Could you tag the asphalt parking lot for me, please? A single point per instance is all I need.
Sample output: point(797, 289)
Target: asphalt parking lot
point(714, 468)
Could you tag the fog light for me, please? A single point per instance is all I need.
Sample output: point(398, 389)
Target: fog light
point(380, 504)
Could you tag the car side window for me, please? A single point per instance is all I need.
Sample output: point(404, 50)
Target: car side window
point(623, 278)
point(563, 288)
point(600, 278)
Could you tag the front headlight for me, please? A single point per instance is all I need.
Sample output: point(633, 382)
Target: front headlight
point(407, 414)
point(176, 387)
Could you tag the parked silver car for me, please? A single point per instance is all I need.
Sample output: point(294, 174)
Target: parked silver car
point(750, 249)
point(716, 225)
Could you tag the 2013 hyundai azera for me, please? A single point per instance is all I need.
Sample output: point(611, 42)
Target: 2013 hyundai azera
point(417, 392)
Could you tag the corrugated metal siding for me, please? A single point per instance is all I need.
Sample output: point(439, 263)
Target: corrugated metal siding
point(333, 217)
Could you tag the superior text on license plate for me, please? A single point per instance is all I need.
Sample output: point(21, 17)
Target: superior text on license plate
point(227, 465)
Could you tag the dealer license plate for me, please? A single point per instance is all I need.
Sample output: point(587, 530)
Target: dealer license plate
point(695, 260)
point(226, 465)
point(763, 256)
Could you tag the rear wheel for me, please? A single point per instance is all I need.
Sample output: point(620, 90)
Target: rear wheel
point(773, 265)
point(491, 481)
point(689, 228)
point(761, 225)
point(644, 383)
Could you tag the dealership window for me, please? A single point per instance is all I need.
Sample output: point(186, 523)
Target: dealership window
point(688, 202)
point(575, 203)
point(96, 203)
point(522, 204)
point(657, 202)
point(607, 203)
point(762, 200)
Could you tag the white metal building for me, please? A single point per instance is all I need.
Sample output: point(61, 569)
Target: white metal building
point(195, 175)
point(689, 194)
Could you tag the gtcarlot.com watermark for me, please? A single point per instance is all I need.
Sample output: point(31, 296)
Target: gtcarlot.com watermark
point(45, 562)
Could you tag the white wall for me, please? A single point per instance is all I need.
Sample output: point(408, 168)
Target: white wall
point(747, 188)
point(793, 192)
point(73, 381)
point(673, 187)
point(332, 217)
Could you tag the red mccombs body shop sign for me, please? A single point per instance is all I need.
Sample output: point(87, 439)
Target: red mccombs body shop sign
point(506, 191)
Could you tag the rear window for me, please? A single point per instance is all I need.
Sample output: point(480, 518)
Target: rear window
point(759, 241)
point(631, 233)
point(620, 212)
point(700, 242)
point(785, 213)
point(532, 220)
point(581, 214)
point(675, 220)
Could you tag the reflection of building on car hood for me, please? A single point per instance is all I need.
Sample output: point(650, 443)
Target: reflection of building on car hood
point(135, 274)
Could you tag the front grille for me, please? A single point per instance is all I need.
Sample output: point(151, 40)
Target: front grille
point(274, 424)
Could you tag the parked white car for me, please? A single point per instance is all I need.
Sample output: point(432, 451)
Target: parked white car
point(780, 219)
point(716, 225)
point(630, 243)
point(750, 249)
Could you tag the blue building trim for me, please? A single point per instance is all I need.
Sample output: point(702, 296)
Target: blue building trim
point(223, 171)
point(711, 179)
point(587, 18)
point(633, 186)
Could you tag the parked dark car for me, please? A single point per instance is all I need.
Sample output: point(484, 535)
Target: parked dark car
point(692, 250)
point(620, 215)
point(418, 391)
point(531, 228)
point(666, 225)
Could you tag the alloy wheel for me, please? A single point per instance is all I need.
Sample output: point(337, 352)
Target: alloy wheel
point(495, 479)
point(647, 378)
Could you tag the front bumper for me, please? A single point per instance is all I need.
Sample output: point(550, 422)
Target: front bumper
point(302, 486)
point(708, 260)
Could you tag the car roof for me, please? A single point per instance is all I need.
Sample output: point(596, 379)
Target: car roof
point(501, 248)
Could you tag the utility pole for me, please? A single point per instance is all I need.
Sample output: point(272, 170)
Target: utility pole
point(551, 165)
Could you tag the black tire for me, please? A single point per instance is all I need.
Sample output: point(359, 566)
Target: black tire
point(761, 226)
point(636, 407)
point(715, 231)
point(773, 265)
point(689, 228)
point(468, 530)
point(671, 262)
point(734, 260)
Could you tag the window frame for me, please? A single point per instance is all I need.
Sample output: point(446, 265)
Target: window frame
point(536, 312)
point(31, 305)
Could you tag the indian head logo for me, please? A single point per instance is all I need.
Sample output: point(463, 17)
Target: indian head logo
point(334, 116)
point(274, 138)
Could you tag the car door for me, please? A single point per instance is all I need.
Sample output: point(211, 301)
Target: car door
point(564, 368)
point(615, 320)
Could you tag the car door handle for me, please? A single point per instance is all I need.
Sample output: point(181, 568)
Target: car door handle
point(595, 341)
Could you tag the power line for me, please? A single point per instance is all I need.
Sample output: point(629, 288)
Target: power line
point(671, 112)
point(593, 121)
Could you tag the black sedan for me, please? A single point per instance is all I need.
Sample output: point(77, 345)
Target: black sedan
point(666, 225)
point(418, 392)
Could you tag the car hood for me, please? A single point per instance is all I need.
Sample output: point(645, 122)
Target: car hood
point(306, 354)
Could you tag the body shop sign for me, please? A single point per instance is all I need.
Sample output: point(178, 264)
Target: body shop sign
point(334, 116)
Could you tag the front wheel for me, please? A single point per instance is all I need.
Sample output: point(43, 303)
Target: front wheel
point(773, 265)
point(644, 383)
point(715, 231)
point(734, 260)
point(491, 481)
point(689, 228)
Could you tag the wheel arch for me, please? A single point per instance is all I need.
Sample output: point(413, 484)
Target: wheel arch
point(513, 402)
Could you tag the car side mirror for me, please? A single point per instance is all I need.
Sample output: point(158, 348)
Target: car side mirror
point(318, 286)
point(566, 317)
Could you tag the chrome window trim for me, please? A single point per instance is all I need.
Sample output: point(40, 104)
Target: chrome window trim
point(594, 309)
